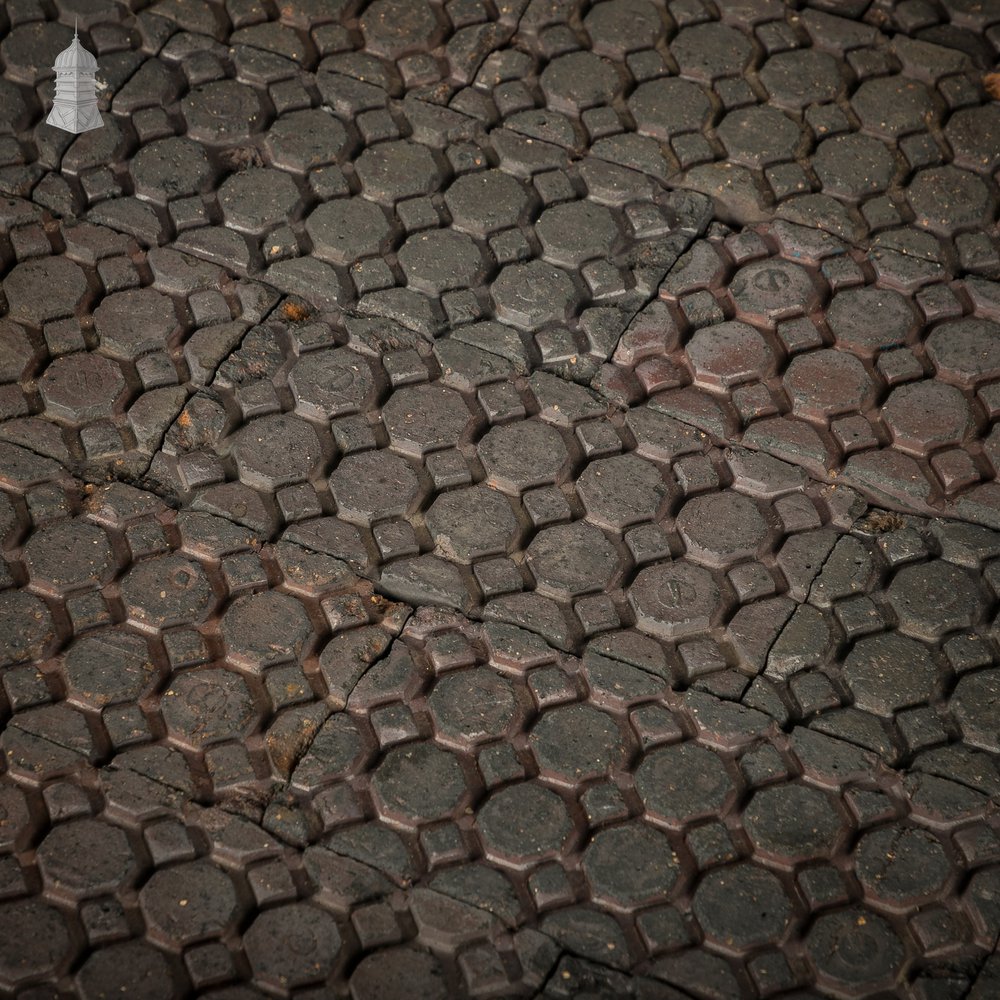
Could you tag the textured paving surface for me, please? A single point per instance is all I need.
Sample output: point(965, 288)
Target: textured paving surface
point(499, 500)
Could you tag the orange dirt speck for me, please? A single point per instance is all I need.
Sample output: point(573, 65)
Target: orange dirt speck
point(294, 312)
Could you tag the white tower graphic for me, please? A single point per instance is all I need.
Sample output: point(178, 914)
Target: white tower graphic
point(75, 107)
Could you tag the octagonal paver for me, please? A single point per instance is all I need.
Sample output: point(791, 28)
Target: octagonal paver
point(853, 166)
point(293, 945)
point(394, 170)
point(25, 626)
point(471, 706)
point(81, 388)
point(628, 865)
point(972, 135)
point(888, 672)
point(869, 319)
point(69, 554)
point(799, 77)
point(425, 418)
point(330, 384)
point(674, 600)
point(25, 47)
point(707, 51)
point(130, 968)
point(855, 948)
point(724, 355)
point(974, 702)
point(890, 106)
point(622, 26)
point(966, 349)
point(396, 970)
point(571, 559)
point(222, 111)
point(188, 902)
point(347, 229)
point(576, 742)
point(265, 628)
point(741, 906)
point(678, 783)
point(274, 451)
point(933, 598)
point(167, 590)
point(579, 80)
point(620, 491)
point(899, 864)
point(945, 199)
point(926, 415)
point(254, 201)
point(484, 201)
point(575, 232)
point(304, 139)
point(170, 168)
point(522, 823)
point(207, 706)
point(980, 900)
point(65, 286)
point(34, 940)
point(108, 667)
point(531, 295)
point(667, 106)
point(471, 523)
point(372, 486)
point(826, 382)
point(721, 528)
point(769, 290)
point(16, 351)
point(132, 322)
point(758, 136)
point(792, 822)
point(85, 857)
point(392, 28)
point(439, 259)
point(517, 457)
point(418, 782)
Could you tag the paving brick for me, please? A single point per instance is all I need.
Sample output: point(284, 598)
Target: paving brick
point(726, 896)
point(900, 863)
point(36, 942)
point(188, 902)
point(575, 741)
point(418, 782)
point(881, 951)
point(530, 295)
point(167, 590)
point(398, 969)
point(793, 821)
point(472, 705)
point(909, 594)
point(275, 451)
point(542, 825)
point(972, 704)
point(260, 629)
point(674, 600)
point(485, 201)
point(719, 529)
point(130, 323)
point(292, 945)
point(683, 781)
